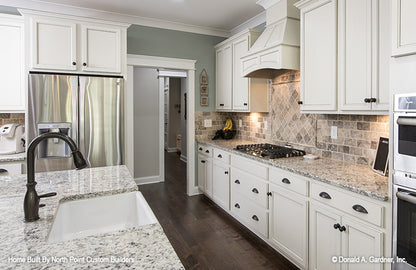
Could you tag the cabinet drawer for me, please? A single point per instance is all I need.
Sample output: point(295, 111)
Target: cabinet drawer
point(206, 150)
point(12, 169)
point(248, 165)
point(249, 186)
point(221, 155)
point(289, 180)
point(347, 202)
point(248, 213)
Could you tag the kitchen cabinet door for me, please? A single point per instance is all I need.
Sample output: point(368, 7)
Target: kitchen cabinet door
point(201, 172)
point(208, 177)
point(240, 84)
point(54, 44)
point(383, 50)
point(12, 67)
point(324, 239)
point(359, 240)
point(101, 48)
point(288, 229)
point(356, 34)
point(221, 184)
point(319, 56)
point(404, 31)
point(224, 78)
point(363, 59)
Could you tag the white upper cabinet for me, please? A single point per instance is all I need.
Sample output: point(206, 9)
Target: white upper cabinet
point(54, 44)
point(356, 34)
point(240, 84)
point(404, 31)
point(12, 78)
point(101, 48)
point(72, 44)
point(345, 56)
point(363, 56)
point(224, 78)
point(234, 92)
point(319, 56)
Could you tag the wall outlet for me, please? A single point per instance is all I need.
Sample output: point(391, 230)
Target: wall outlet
point(265, 125)
point(240, 123)
point(334, 132)
point(207, 123)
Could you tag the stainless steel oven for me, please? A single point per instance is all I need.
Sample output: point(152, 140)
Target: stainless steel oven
point(404, 179)
point(404, 228)
point(405, 133)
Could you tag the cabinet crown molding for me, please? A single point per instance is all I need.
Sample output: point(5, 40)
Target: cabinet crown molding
point(27, 12)
point(238, 35)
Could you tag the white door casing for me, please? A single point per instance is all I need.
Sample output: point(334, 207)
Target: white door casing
point(168, 63)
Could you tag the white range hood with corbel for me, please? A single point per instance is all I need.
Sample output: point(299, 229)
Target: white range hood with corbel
point(277, 47)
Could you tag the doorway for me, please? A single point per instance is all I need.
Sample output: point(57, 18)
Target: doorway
point(175, 116)
point(135, 63)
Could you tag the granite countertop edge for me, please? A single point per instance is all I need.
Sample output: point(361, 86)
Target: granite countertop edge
point(96, 194)
point(332, 182)
point(12, 157)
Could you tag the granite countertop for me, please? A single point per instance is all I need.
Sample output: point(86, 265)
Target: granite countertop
point(347, 175)
point(13, 157)
point(23, 244)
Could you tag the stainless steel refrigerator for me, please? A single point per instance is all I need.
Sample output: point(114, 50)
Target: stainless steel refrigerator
point(89, 109)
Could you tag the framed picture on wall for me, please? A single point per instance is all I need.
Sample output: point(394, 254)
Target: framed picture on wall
point(203, 77)
point(204, 89)
point(204, 101)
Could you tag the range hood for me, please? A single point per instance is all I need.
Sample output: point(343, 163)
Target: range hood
point(277, 47)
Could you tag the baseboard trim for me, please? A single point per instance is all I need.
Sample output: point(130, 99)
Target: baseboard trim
point(171, 149)
point(148, 180)
point(184, 158)
point(195, 191)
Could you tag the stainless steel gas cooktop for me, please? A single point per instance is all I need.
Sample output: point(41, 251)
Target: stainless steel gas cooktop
point(266, 150)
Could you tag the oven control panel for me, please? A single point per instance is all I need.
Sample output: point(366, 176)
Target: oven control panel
point(405, 179)
point(405, 102)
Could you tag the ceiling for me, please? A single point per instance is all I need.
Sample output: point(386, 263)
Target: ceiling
point(219, 14)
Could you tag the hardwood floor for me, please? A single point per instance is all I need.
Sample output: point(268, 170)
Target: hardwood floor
point(202, 234)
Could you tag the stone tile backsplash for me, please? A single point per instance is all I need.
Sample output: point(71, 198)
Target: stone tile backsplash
point(10, 118)
point(357, 138)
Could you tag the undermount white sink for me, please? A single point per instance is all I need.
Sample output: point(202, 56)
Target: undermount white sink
point(81, 218)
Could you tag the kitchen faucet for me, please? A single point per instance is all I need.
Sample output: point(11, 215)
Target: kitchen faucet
point(31, 202)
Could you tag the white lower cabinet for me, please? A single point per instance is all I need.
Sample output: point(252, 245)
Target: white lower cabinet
point(12, 168)
point(249, 213)
point(310, 223)
point(288, 225)
point(336, 237)
point(221, 184)
point(325, 241)
point(205, 170)
point(201, 172)
point(208, 177)
point(249, 194)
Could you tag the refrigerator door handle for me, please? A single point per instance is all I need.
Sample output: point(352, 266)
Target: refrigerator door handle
point(74, 101)
point(81, 126)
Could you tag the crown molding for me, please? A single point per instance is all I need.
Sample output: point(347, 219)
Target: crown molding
point(113, 16)
point(250, 23)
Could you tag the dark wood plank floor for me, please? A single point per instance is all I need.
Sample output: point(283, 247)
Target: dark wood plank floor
point(202, 234)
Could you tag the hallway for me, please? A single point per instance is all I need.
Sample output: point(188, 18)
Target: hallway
point(202, 234)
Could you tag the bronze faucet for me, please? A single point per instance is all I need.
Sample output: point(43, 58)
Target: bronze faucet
point(31, 202)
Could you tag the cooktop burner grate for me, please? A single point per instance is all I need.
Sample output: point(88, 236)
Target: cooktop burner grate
point(271, 151)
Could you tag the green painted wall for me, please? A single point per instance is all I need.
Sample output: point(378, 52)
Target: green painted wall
point(9, 10)
point(176, 44)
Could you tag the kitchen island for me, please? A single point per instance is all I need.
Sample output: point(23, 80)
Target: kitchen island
point(23, 245)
